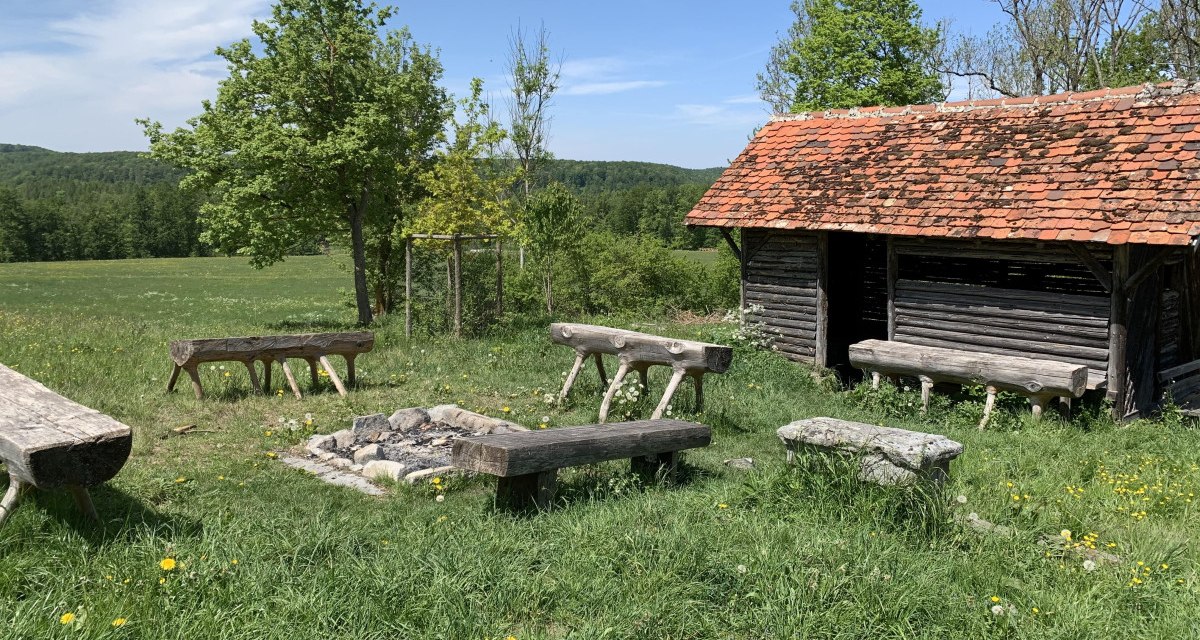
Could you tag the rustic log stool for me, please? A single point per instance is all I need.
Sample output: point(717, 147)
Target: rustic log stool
point(48, 441)
point(638, 352)
point(885, 455)
point(1039, 380)
point(527, 462)
point(188, 355)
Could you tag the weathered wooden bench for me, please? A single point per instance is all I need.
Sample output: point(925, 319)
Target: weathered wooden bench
point(1039, 380)
point(885, 455)
point(527, 462)
point(188, 355)
point(637, 351)
point(1182, 384)
point(48, 441)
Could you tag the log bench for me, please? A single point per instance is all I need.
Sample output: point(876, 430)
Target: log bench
point(188, 355)
point(637, 351)
point(1039, 380)
point(527, 462)
point(48, 441)
point(884, 455)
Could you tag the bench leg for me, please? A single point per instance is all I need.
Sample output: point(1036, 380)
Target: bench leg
point(287, 372)
point(312, 371)
point(175, 369)
point(600, 370)
point(612, 391)
point(253, 377)
point(267, 365)
point(988, 405)
point(580, 357)
point(676, 377)
point(535, 490)
point(644, 378)
point(926, 387)
point(652, 467)
point(699, 378)
point(1037, 404)
point(350, 376)
point(195, 376)
point(83, 500)
point(875, 380)
point(337, 382)
point(9, 503)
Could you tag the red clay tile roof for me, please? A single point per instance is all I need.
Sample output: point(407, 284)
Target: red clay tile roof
point(1114, 165)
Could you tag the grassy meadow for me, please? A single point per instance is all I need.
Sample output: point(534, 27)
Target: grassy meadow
point(260, 550)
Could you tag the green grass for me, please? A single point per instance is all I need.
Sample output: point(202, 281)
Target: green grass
point(775, 552)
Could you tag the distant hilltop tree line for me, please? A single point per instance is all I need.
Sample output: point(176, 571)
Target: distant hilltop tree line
point(114, 205)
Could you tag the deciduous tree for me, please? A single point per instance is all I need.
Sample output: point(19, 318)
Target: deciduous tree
point(306, 135)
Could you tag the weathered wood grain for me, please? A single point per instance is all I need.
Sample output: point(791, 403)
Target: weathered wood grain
point(530, 452)
point(634, 346)
point(885, 455)
point(48, 441)
point(312, 345)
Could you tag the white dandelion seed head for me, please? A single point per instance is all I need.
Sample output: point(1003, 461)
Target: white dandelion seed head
point(997, 610)
point(961, 499)
point(1089, 565)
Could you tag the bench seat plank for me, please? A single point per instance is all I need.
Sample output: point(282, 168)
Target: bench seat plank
point(309, 345)
point(530, 452)
point(49, 441)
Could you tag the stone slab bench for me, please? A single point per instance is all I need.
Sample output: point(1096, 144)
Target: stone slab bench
point(48, 441)
point(1038, 379)
point(527, 462)
point(637, 351)
point(885, 455)
point(188, 355)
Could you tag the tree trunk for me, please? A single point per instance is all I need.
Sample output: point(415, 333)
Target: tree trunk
point(549, 288)
point(362, 294)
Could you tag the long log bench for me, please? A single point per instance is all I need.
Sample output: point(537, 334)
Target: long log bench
point(636, 351)
point(1039, 380)
point(527, 462)
point(48, 441)
point(188, 355)
point(884, 455)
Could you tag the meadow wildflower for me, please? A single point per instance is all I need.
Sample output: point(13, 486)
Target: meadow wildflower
point(167, 564)
point(119, 622)
point(66, 618)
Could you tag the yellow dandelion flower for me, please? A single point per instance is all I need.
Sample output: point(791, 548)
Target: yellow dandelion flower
point(66, 618)
point(234, 561)
point(268, 433)
point(995, 598)
point(180, 480)
point(437, 480)
point(1036, 611)
point(162, 580)
point(506, 409)
point(167, 564)
point(1065, 533)
point(722, 506)
point(119, 622)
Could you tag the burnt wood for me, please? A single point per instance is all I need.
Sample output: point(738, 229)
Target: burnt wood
point(48, 441)
point(526, 462)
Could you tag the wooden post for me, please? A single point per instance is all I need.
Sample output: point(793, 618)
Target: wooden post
point(291, 378)
point(1118, 331)
point(195, 376)
point(408, 247)
point(699, 379)
point(351, 378)
point(11, 497)
point(655, 466)
point(600, 370)
point(457, 286)
point(926, 387)
point(742, 271)
point(253, 377)
point(988, 406)
point(499, 277)
point(821, 351)
point(175, 369)
point(333, 376)
point(312, 371)
point(267, 365)
point(580, 357)
point(676, 377)
point(893, 273)
point(533, 490)
point(83, 500)
point(612, 391)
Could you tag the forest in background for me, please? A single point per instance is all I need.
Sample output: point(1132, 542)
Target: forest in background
point(120, 204)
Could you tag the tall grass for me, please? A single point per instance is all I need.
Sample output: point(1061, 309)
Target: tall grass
point(778, 552)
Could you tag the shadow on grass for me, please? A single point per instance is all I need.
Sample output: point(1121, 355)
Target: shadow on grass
point(122, 517)
point(312, 326)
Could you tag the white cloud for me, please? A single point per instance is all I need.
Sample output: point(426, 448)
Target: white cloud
point(93, 73)
point(719, 115)
point(602, 88)
point(601, 76)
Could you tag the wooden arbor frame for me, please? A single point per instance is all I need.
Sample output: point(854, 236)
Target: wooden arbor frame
point(455, 275)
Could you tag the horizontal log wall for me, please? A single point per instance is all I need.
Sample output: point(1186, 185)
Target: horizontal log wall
point(781, 278)
point(1003, 298)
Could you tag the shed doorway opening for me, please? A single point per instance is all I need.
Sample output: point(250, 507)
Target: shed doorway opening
point(857, 296)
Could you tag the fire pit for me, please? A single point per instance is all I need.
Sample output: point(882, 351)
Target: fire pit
point(410, 445)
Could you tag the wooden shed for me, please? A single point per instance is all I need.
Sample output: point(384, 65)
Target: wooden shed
point(1055, 227)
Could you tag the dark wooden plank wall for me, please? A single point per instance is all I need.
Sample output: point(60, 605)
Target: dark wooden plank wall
point(781, 278)
point(1004, 298)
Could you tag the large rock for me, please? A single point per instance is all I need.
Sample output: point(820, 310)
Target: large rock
point(429, 474)
point(343, 439)
point(368, 453)
point(318, 444)
point(377, 469)
point(409, 419)
point(369, 427)
point(480, 424)
point(884, 455)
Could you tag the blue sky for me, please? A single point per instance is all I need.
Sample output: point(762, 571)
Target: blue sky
point(656, 81)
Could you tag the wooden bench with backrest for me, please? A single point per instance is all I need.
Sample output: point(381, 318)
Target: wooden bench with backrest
point(1039, 380)
point(637, 351)
point(188, 355)
point(48, 441)
point(527, 462)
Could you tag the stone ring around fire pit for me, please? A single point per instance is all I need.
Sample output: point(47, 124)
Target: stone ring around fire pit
point(411, 445)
